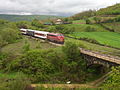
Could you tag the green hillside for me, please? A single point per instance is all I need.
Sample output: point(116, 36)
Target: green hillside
point(111, 10)
point(26, 17)
point(106, 38)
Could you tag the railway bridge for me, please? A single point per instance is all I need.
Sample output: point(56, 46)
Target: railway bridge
point(93, 58)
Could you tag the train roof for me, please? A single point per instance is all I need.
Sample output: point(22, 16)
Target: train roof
point(23, 29)
point(41, 32)
point(55, 33)
point(30, 30)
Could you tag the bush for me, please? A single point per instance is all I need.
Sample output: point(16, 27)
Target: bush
point(3, 61)
point(75, 65)
point(9, 35)
point(64, 30)
point(113, 79)
point(88, 21)
point(71, 50)
point(34, 64)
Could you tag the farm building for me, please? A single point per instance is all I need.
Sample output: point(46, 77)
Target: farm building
point(59, 21)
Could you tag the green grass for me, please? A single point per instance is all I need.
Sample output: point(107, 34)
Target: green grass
point(82, 27)
point(8, 75)
point(17, 48)
point(115, 26)
point(79, 21)
point(106, 38)
point(95, 47)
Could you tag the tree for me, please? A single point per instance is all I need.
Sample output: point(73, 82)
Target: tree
point(23, 24)
point(64, 30)
point(71, 50)
point(97, 20)
point(75, 65)
point(10, 35)
point(88, 21)
point(37, 24)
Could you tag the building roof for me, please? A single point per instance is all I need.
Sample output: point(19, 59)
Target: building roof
point(59, 20)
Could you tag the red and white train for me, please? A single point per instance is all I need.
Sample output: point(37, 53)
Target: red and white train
point(55, 37)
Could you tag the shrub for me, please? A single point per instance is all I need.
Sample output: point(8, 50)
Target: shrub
point(9, 35)
point(64, 30)
point(35, 64)
point(88, 21)
point(75, 65)
point(3, 61)
point(113, 79)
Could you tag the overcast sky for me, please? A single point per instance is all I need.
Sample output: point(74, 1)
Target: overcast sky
point(51, 7)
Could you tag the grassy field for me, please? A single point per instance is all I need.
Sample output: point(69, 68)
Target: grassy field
point(83, 27)
point(95, 47)
point(79, 21)
point(115, 26)
point(106, 38)
point(17, 48)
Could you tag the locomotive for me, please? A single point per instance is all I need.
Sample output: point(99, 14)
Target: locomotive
point(54, 37)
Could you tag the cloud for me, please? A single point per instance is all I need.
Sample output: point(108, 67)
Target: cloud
point(52, 7)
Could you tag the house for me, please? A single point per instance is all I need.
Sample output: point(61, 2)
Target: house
point(59, 21)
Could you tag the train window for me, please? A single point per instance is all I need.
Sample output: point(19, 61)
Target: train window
point(51, 35)
point(40, 34)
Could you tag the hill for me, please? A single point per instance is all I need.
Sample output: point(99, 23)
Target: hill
point(26, 17)
point(111, 10)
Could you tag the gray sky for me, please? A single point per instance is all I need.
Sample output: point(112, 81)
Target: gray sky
point(51, 7)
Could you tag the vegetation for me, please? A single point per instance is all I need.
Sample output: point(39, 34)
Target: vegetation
point(105, 38)
point(113, 26)
point(95, 47)
point(113, 80)
point(44, 66)
point(111, 10)
point(40, 62)
point(8, 33)
point(18, 82)
point(83, 15)
point(83, 27)
point(26, 17)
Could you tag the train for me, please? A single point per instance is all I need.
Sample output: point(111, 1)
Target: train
point(54, 37)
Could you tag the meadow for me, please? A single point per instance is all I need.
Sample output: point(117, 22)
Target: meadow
point(106, 38)
point(115, 26)
point(17, 48)
point(85, 27)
